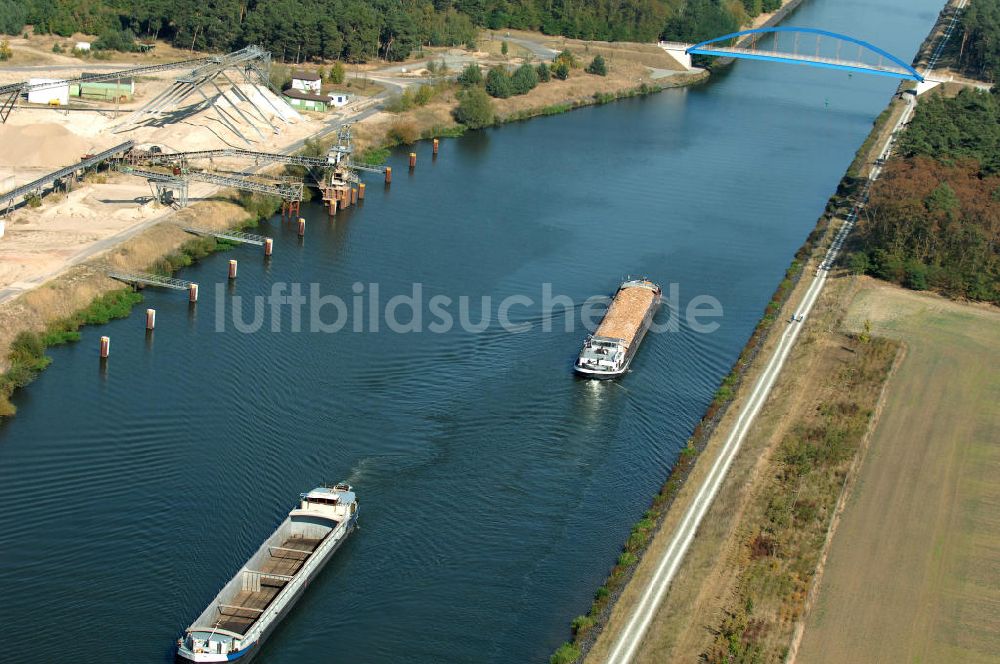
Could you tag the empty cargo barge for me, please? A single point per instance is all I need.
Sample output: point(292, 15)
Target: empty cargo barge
point(254, 601)
point(608, 352)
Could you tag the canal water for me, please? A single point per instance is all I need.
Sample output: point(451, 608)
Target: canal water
point(496, 489)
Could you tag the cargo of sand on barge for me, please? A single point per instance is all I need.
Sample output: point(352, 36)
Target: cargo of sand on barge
point(608, 352)
point(254, 601)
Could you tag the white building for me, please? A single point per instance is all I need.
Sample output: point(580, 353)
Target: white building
point(82, 46)
point(307, 82)
point(339, 99)
point(57, 94)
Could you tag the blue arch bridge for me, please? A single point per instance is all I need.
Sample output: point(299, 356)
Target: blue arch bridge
point(801, 46)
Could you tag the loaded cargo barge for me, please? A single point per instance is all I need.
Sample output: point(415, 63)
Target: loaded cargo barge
point(254, 601)
point(608, 352)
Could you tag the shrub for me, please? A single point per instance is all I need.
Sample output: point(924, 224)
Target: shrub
point(27, 352)
point(423, 95)
point(400, 103)
point(525, 79)
point(581, 624)
point(260, 207)
point(566, 654)
point(470, 76)
point(627, 559)
point(475, 109)
point(337, 73)
point(5, 52)
point(858, 263)
point(116, 40)
point(413, 97)
point(568, 58)
point(56, 48)
point(561, 71)
point(544, 75)
point(504, 48)
point(597, 66)
point(916, 275)
point(498, 83)
point(373, 156)
point(403, 133)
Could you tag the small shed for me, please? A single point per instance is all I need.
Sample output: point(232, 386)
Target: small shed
point(122, 89)
point(82, 46)
point(307, 101)
point(339, 99)
point(305, 81)
point(56, 94)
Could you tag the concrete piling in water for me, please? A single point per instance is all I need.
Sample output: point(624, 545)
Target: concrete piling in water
point(105, 347)
point(150, 319)
point(413, 160)
point(193, 293)
point(354, 196)
point(232, 268)
point(268, 246)
point(302, 226)
point(435, 147)
point(388, 174)
point(361, 191)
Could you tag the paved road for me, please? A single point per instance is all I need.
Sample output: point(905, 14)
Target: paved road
point(632, 635)
point(541, 52)
point(88, 66)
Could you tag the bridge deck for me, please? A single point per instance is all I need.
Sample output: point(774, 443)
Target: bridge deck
point(148, 279)
point(798, 58)
point(232, 236)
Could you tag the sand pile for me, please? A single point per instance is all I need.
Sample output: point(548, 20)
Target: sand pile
point(68, 210)
point(137, 213)
point(275, 108)
point(42, 144)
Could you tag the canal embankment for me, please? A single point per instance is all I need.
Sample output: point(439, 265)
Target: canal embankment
point(731, 569)
point(720, 545)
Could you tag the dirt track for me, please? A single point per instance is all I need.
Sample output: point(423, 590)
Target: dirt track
point(912, 573)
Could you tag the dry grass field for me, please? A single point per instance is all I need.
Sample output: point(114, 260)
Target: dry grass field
point(913, 574)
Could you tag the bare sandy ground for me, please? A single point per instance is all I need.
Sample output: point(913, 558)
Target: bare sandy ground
point(912, 574)
point(40, 242)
